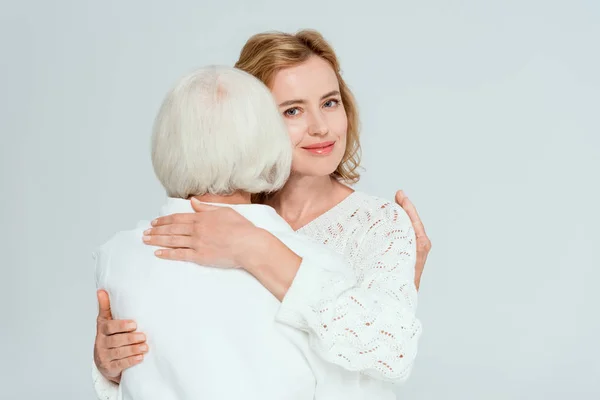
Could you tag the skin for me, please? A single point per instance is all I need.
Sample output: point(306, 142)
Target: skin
point(309, 101)
point(117, 345)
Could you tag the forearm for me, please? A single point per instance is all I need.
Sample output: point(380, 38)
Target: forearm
point(363, 323)
point(271, 262)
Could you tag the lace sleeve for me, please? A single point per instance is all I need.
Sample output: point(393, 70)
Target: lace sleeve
point(361, 315)
point(105, 389)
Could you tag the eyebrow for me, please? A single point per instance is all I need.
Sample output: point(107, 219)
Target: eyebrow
point(299, 101)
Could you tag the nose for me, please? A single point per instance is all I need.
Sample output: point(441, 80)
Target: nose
point(317, 125)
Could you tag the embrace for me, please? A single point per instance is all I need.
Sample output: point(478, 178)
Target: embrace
point(265, 275)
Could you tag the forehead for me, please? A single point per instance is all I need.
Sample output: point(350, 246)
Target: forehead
point(306, 81)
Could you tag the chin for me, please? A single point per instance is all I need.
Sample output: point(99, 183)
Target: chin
point(314, 170)
point(316, 167)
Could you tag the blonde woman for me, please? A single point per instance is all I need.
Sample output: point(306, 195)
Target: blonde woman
point(206, 138)
point(359, 316)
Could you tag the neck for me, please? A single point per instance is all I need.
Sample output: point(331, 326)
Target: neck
point(234, 198)
point(302, 195)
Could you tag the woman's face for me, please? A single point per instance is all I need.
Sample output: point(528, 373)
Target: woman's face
point(309, 99)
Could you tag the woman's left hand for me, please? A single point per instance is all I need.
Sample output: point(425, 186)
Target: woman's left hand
point(423, 242)
point(213, 236)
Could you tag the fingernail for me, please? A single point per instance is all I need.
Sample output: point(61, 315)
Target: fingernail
point(147, 231)
point(195, 200)
point(146, 238)
point(139, 357)
point(130, 326)
point(143, 347)
point(158, 252)
point(140, 337)
point(153, 223)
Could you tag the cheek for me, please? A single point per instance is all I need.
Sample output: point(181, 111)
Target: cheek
point(338, 125)
point(296, 131)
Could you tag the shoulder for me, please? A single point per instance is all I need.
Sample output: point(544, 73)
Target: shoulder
point(123, 240)
point(386, 229)
point(123, 251)
point(377, 213)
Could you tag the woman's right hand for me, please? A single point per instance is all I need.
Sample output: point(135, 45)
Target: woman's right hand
point(118, 346)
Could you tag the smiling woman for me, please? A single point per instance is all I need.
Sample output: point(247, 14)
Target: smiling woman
point(359, 314)
point(315, 115)
point(303, 73)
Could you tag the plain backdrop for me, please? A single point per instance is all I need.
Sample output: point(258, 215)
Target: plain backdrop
point(485, 112)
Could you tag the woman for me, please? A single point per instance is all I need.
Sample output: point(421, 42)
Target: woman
point(361, 320)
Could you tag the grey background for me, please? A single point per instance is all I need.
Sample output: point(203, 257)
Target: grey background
point(486, 113)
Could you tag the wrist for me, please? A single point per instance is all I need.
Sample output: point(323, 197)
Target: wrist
point(251, 248)
point(271, 262)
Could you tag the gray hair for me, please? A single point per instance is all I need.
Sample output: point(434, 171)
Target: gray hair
point(219, 131)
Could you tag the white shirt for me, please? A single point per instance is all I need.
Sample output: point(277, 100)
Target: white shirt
point(212, 332)
point(359, 314)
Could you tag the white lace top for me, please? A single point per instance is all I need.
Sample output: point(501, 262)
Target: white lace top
point(359, 316)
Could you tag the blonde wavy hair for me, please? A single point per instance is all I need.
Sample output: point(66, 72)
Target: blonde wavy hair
point(265, 54)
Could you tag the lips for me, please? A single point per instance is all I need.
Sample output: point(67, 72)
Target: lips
point(322, 148)
point(319, 145)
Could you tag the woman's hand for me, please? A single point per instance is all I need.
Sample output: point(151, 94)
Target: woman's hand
point(423, 242)
point(221, 237)
point(117, 345)
point(213, 236)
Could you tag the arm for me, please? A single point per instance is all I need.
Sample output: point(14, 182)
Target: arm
point(361, 316)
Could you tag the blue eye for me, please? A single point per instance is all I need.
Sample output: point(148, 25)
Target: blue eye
point(292, 112)
point(331, 103)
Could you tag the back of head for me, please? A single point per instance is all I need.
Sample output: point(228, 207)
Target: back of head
point(219, 131)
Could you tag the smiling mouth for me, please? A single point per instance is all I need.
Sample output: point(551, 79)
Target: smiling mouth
point(320, 148)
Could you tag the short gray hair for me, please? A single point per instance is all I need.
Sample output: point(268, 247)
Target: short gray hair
point(219, 131)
